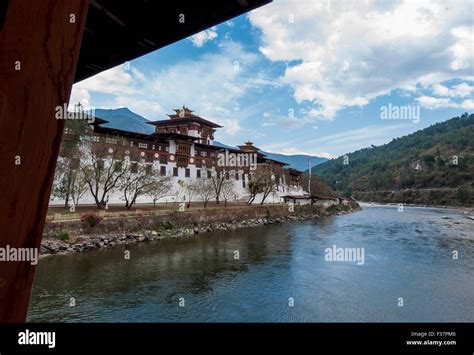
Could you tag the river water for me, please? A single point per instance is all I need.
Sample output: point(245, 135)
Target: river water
point(274, 273)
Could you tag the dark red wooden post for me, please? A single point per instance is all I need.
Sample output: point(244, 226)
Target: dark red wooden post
point(39, 50)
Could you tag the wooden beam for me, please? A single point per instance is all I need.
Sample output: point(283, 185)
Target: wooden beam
point(39, 50)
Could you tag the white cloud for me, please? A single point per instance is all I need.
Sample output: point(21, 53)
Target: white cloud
point(345, 53)
point(344, 141)
point(324, 155)
point(291, 121)
point(231, 126)
point(147, 108)
point(81, 96)
point(433, 103)
point(460, 90)
point(468, 104)
point(199, 39)
point(124, 86)
point(440, 90)
point(211, 84)
point(364, 134)
point(118, 80)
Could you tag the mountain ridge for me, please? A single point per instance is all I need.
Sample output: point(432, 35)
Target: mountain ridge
point(434, 165)
point(125, 119)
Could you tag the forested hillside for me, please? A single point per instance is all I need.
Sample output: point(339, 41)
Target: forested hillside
point(431, 166)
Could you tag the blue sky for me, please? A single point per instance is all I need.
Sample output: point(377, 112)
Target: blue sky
point(308, 76)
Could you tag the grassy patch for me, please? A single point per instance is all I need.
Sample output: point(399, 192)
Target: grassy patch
point(63, 235)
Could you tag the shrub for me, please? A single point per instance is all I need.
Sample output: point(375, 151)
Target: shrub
point(63, 235)
point(169, 225)
point(463, 195)
point(91, 218)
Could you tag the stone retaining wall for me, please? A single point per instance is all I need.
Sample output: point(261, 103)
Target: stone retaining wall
point(118, 231)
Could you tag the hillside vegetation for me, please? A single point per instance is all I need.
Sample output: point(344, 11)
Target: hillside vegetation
point(433, 166)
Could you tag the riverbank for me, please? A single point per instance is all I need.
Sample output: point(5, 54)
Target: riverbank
point(78, 236)
point(465, 209)
point(429, 197)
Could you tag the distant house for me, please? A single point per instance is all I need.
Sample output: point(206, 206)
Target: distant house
point(318, 200)
point(297, 200)
point(325, 201)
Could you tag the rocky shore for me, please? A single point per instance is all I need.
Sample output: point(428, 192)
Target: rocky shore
point(168, 229)
point(464, 209)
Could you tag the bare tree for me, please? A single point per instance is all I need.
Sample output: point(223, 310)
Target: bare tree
point(184, 192)
point(135, 182)
point(218, 179)
point(160, 187)
point(103, 168)
point(316, 185)
point(189, 191)
point(62, 181)
point(204, 188)
point(78, 186)
point(76, 131)
point(269, 185)
point(261, 181)
point(255, 186)
point(227, 191)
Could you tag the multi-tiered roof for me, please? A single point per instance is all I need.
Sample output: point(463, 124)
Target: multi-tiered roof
point(184, 116)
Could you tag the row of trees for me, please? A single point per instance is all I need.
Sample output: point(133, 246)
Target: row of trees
point(261, 182)
point(438, 156)
point(100, 175)
point(221, 186)
point(214, 188)
point(100, 170)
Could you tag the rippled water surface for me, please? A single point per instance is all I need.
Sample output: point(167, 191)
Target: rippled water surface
point(408, 255)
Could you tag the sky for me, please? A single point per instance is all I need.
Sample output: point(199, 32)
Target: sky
point(308, 77)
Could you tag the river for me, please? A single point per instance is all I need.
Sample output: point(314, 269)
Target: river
point(274, 273)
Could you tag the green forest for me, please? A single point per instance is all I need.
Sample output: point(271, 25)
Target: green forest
point(433, 166)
